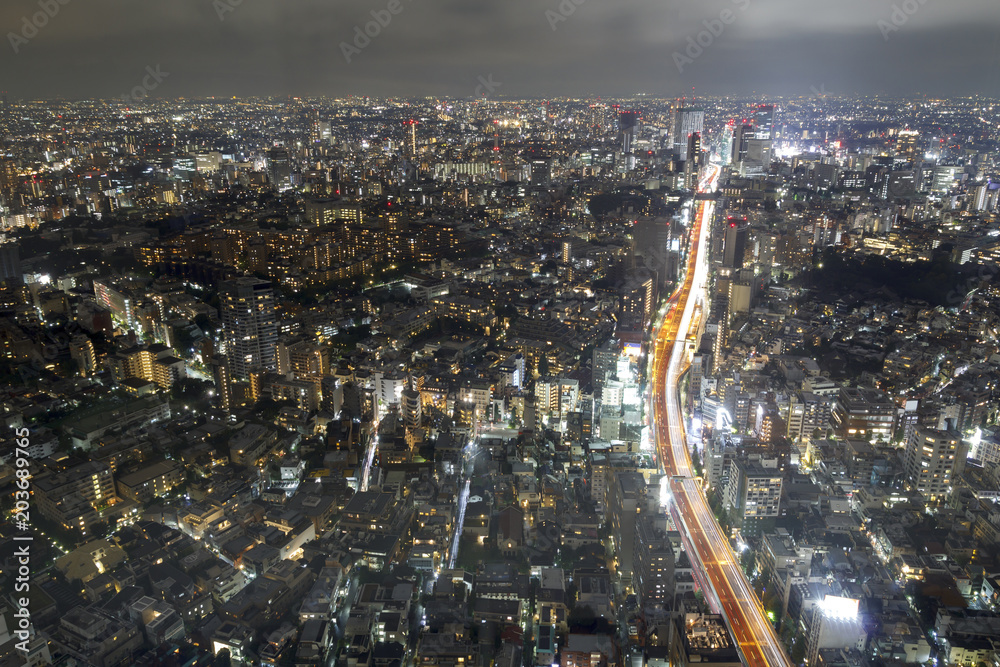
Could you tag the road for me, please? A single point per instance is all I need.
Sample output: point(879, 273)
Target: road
point(717, 567)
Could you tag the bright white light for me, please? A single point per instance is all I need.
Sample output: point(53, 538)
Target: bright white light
point(665, 491)
point(839, 608)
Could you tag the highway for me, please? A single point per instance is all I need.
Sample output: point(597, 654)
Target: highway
point(717, 567)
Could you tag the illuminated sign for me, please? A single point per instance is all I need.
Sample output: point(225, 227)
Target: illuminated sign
point(840, 608)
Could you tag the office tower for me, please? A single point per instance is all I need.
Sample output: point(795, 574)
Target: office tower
point(410, 130)
point(249, 325)
point(627, 499)
point(280, 166)
point(541, 173)
point(864, 414)
point(741, 143)
point(753, 492)
point(628, 125)
point(603, 363)
point(759, 155)
point(735, 244)
point(908, 145)
point(687, 121)
point(637, 301)
point(10, 262)
point(653, 569)
point(763, 121)
point(933, 459)
point(944, 178)
point(8, 185)
point(598, 119)
point(315, 132)
point(652, 237)
point(692, 167)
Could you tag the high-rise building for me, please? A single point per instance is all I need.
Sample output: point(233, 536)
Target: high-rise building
point(687, 121)
point(864, 414)
point(628, 125)
point(735, 244)
point(81, 350)
point(933, 458)
point(280, 168)
point(808, 412)
point(628, 498)
point(249, 325)
point(410, 407)
point(692, 167)
point(410, 130)
point(8, 185)
point(741, 143)
point(637, 300)
point(541, 173)
point(120, 303)
point(753, 492)
point(763, 121)
point(567, 251)
point(653, 569)
point(10, 262)
point(908, 145)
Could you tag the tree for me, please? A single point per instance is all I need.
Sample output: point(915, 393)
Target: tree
point(543, 365)
point(99, 529)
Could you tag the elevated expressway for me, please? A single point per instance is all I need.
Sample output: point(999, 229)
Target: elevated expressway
point(716, 567)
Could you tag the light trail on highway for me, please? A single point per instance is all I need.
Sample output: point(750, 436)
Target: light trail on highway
point(717, 566)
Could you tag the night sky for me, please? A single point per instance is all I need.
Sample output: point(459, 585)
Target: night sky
point(101, 48)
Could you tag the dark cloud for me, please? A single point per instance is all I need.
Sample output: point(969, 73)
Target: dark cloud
point(97, 48)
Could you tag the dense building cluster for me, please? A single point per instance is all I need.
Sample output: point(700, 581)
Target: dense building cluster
point(365, 382)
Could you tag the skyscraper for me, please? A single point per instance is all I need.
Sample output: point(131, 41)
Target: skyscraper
point(410, 130)
point(908, 145)
point(10, 262)
point(741, 143)
point(541, 173)
point(933, 459)
point(628, 124)
point(687, 121)
point(692, 166)
point(249, 325)
point(763, 121)
point(280, 165)
point(734, 248)
point(8, 184)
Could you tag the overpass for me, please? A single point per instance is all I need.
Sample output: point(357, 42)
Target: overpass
point(716, 566)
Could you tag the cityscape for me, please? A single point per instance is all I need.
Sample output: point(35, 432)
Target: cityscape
point(482, 378)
